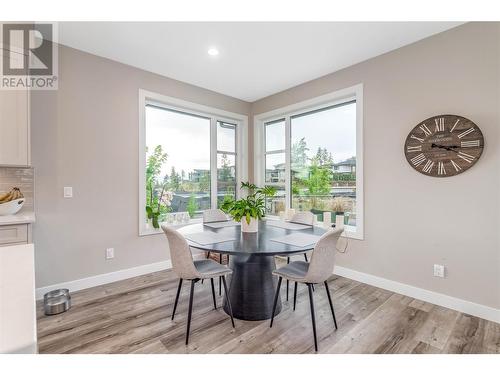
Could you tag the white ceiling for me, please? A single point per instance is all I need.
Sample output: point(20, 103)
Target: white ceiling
point(256, 59)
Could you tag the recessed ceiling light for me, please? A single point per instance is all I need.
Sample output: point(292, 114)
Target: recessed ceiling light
point(213, 51)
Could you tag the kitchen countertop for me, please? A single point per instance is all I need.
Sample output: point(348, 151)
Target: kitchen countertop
point(19, 218)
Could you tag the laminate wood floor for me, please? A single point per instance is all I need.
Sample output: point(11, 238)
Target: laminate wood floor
point(133, 316)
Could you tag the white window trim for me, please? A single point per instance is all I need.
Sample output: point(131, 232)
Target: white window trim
point(215, 114)
point(333, 98)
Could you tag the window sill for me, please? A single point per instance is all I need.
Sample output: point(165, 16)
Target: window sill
point(149, 230)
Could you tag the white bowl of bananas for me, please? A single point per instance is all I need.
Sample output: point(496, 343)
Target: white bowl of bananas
point(11, 202)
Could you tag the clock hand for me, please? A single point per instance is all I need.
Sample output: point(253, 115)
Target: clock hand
point(450, 148)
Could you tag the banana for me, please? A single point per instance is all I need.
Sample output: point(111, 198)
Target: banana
point(8, 198)
point(3, 196)
point(15, 193)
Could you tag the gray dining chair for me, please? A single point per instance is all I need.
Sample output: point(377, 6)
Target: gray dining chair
point(212, 216)
point(301, 217)
point(193, 270)
point(317, 271)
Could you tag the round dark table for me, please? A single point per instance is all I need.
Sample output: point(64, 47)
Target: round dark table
point(252, 284)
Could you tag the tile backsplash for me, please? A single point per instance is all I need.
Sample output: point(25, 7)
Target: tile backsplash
point(23, 178)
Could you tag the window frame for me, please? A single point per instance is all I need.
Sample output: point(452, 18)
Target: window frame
point(220, 152)
point(331, 99)
point(190, 108)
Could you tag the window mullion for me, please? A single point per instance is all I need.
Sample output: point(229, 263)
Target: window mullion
point(213, 162)
point(288, 143)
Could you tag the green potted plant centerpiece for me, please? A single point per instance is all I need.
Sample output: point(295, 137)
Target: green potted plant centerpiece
point(251, 209)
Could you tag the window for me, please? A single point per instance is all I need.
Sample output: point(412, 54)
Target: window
point(178, 148)
point(275, 163)
point(226, 161)
point(312, 153)
point(189, 159)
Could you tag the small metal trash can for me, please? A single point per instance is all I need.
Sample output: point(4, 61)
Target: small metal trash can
point(56, 301)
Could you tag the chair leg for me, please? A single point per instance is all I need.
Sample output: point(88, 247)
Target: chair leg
point(208, 254)
point(313, 318)
point(213, 293)
point(227, 299)
point(276, 300)
point(220, 277)
point(305, 257)
point(190, 311)
point(294, 296)
point(331, 304)
point(177, 298)
point(287, 282)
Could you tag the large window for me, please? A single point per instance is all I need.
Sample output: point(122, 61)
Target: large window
point(189, 161)
point(312, 155)
point(177, 162)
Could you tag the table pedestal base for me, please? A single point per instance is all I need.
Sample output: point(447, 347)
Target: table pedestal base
point(252, 287)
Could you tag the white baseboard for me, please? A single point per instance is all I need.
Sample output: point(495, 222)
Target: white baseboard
point(105, 278)
point(444, 300)
point(472, 308)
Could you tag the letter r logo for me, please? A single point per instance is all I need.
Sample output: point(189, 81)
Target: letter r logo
point(35, 41)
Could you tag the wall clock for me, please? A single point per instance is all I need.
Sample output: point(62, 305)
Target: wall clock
point(444, 145)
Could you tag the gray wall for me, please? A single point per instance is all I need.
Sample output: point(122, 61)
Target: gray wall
point(413, 221)
point(85, 135)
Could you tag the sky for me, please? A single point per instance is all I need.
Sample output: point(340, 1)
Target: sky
point(334, 129)
point(186, 139)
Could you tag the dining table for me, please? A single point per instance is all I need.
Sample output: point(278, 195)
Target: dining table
point(252, 260)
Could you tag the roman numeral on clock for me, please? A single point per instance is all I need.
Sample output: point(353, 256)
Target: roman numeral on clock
point(414, 148)
point(421, 140)
point(468, 158)
point(425, 129)
point(453, 127)
point(439, 124)
point(417, 160)
point(468, 131)
point(441, 169)
point(470, 143)
point(456, 166)
point(428, 166)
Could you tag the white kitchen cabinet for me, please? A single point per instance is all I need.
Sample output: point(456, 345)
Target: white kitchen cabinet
point(14, 125)
point(17, 300)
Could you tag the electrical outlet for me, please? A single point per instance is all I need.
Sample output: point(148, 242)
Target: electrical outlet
point(110, 253)
point(68, 192)
point(438, 270)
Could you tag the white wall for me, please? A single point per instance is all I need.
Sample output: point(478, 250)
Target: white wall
point(413, 221)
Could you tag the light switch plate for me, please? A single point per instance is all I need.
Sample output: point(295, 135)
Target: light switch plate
point(438, 270)
point(110, 253)
point(68, 192)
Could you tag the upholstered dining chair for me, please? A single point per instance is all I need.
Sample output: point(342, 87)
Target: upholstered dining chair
point(301, 217)
point(317, 271)
point(193, 270)
point(212, 216)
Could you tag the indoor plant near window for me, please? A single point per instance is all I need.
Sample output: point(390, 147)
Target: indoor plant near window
point(251, 209)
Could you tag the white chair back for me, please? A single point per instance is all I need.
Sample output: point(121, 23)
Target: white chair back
point(180, 254)
point(323, 257)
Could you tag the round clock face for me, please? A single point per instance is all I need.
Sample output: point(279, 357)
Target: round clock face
point(444, 145)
